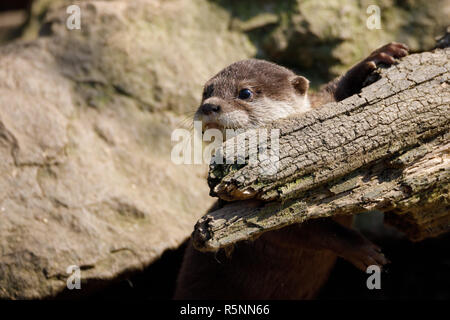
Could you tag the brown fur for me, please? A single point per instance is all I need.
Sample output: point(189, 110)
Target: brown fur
point(278, 265)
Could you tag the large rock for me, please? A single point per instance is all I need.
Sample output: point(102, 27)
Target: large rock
point(86, 116)
point(323, 38)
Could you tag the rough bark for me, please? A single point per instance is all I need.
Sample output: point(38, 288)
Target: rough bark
point(386, 148)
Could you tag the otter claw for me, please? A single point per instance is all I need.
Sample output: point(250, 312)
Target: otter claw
point(388, 53)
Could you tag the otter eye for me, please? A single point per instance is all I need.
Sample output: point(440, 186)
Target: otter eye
point(245, 94)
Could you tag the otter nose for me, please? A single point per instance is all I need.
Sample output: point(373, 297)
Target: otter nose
point(209, 108)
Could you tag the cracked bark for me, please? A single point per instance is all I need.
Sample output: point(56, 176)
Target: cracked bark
point(385, 149)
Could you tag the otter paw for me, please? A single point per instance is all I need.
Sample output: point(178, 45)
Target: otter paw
point(365, 254)
point(387, 54)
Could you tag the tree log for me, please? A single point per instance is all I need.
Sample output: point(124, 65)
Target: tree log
point(386, 148)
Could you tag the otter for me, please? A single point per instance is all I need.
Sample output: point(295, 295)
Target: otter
point(293, 262)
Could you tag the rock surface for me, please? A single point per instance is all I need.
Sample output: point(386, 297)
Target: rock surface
point(323, 38)
point(86, 118)
point(320, 39)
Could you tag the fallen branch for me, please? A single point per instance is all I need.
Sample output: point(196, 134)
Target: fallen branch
point(386, 148)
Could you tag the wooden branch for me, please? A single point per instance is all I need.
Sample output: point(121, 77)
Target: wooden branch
point(386, 148)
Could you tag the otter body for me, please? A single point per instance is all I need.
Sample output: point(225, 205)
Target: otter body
point(293, 262)
point(278, 265)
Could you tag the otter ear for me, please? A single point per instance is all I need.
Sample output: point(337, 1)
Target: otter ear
point(301, 84)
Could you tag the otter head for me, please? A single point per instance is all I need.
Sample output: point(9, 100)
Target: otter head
point(250, 93)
